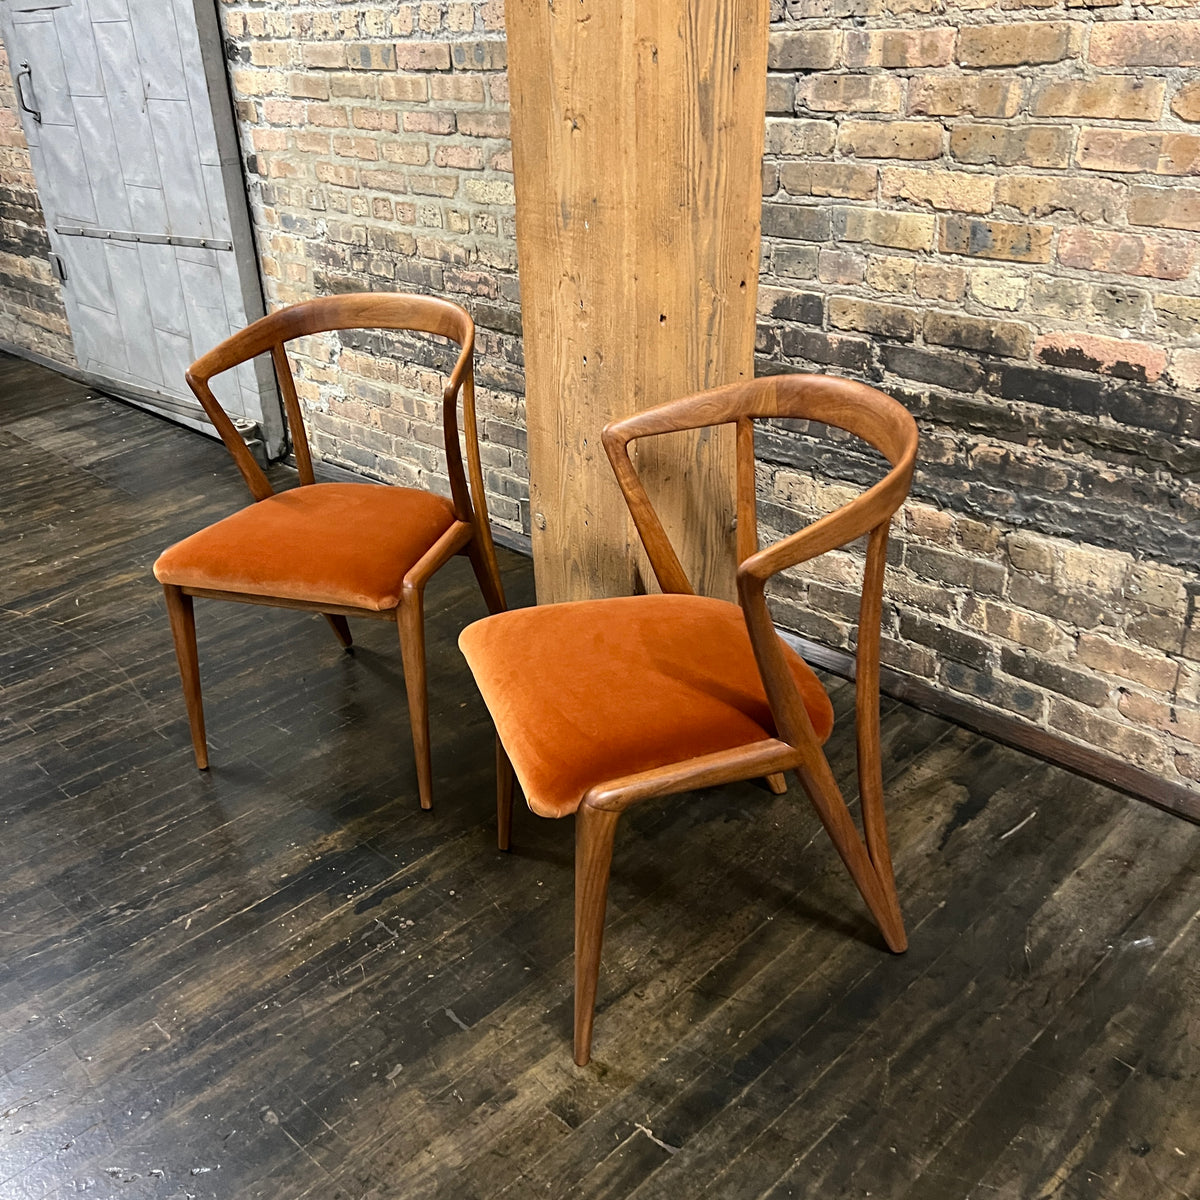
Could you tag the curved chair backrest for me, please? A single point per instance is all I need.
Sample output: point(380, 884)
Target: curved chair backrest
point(358, 310)
point(877, 419)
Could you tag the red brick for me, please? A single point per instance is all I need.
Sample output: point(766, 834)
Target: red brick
point(995, 239)
point(958, 191)
point(376, 119)
point(385, 181)
point(1180, 155)
point(1110, 97)
point(1153, 670)
point(1009, 146)
point(468, 158)
point(848, 181)
point(353, 85)
point(1145, 44)
point(370, 56)
point(838, 266)
point(900, 47)
point(1185, 369)
point(970, 95)
point(423, 56)
point(1166, 208)
point(338, 175)
point(433, 185)
point(850, 93)
point(308, 142)
point(1186, 102)
point(883, 320)
point(460, 89)
point(328, 116)
point(362, 148)
point(483, 124)
point(1104, 355)
point(1125, 253)
point(982, 334)
point(408, 88)
point(1014, 45)
point(308, 86)
point(1119, 150)
point(891, 139)
point(429, 121)
point(283, 112)
point(411, 152)
point(795, 138)
point(1041, 195)
point(1115, 737)
point(901, 231)
point(485, 55)
point(802, 50)
point(330, 55)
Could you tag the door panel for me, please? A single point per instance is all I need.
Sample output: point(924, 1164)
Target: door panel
point(139, 176)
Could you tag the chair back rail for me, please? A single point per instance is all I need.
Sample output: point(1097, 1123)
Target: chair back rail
point(363, 310)
point(861, 410)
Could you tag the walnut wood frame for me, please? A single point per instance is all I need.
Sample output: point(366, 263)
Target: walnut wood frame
point(470, 533)
point(886, 425)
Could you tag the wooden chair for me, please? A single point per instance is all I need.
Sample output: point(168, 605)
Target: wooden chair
point(341, 549)
point(600, 704)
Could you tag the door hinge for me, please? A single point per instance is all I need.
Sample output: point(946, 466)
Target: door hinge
point(60, 268)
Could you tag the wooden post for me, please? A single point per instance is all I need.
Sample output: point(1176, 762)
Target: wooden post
point(637, 149)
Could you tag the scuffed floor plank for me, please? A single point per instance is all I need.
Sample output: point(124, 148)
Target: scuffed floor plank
point(281, 979)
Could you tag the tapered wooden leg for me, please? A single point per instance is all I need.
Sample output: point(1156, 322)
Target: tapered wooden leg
point(594, 832)
point(504, 796)
point(487, 571)
point(870, 790)
point(341, 629)
point(776, 783)
point(183, 630)
point(410, 619)
point(879, 892)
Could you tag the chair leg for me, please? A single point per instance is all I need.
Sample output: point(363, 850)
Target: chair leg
point(487, 571)
point(776, 783)
point(870, 790)
point(183, 630)
point(341, 629)
point(410, 620)
point(594, 832)
point(504, 796)
point(877, 888)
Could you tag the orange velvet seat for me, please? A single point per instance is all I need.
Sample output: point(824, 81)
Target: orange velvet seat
point(345, 544)
point(603, 704)
point(586, 692)
point(339, 549)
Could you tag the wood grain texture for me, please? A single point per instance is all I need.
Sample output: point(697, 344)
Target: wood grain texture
point(281, 979)
point(637, 148)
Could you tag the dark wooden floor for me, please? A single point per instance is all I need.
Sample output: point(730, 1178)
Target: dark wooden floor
point(281, 979)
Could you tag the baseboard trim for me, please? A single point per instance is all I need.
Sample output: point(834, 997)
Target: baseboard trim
point(1012, 731)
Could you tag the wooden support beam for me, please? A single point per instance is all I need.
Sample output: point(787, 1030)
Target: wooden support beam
point(637, 149)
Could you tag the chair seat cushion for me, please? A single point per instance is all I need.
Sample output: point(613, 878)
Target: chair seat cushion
point(587, 692)
point(346, 544)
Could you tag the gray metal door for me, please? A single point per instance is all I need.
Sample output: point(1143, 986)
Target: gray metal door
point(127, 114)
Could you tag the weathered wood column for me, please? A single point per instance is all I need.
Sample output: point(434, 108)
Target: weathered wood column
point(637, 148)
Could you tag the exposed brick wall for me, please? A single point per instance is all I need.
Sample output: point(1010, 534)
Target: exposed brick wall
point(986, 209)
point(990, 211)
point(983, 209)
point(378, 158)
point(32, 316)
